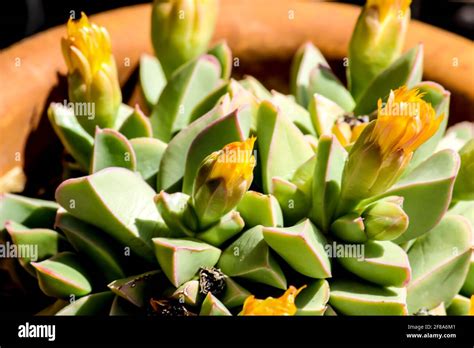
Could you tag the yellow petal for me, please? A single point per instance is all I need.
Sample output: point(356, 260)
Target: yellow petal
point(404, 123)
point(234, 163)
point(284, 305)
point(471, 309)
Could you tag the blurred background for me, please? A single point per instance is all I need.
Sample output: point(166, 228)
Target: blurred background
point(23, 18)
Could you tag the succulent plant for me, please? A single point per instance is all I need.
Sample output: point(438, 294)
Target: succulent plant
point(234, 200)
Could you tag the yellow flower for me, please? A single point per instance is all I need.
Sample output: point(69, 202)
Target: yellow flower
point(92, 72)
point(222, 180)
point(389, 7)
point(386, 146)
point(348, 131)
point(234, 163)
point(86, 48)
point(471, 309)
point(284, 305)
point(404, 123)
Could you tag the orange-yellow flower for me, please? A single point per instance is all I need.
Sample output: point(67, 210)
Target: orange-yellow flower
point(471, 309)
point(404, 123)
point(284, 305)
point(234, 163)
point(347, 133)
point(92, 72)
point(222, 180)
point(386, 146)
point(87, 47)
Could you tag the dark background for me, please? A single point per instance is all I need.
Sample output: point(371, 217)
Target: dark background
point(22, 18)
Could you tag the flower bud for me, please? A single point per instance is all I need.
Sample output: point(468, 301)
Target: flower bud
point(377, 41)
point(92, 74)
point(349, 228)
point(386, 146)
point(222, 180)
point(284, 305)
point(181, 30)
point(385, 220)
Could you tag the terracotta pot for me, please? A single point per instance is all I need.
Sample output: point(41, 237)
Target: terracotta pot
point(262, 37)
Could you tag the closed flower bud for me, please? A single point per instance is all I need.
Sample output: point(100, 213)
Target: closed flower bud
point(181, 30)
point(385, 220)
point(222, 180)
point(377, 40)
point(386, 146)
point(92, 74)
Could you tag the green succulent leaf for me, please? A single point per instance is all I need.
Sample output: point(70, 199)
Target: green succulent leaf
point(177, 213)
point(94, 304)
point(224, 55)
point(349, 228)
point(152, 79)
point(254, 86)
point(30, 212)
point(120, 203)
point(92, 243)
point(234, 127)
point(429, 184)
point(212, 306)
point(323, 82)
point(39, 243)
point(313, 299)
point(148, 154)
point(306, 59)
point(112, 149)
point(330, 161)
point(74, 138)
point(324, 113)
point(172, 165)
point(383, 263)
point(121, 307)
point(259, 209)
point(302, 247)
point(181, 259)
point(439, 261)
point(62, 276)
point(229, 225)
point(53, 308)
point(137, 125)
point(294, 203)
point(282, 147)
point(468, 286)
point(349, 297)
point(459, 306)
point(249, 257)
point(464, 185)
point(209, 102)
point(138, 289)
point(295, 112)
point(457, 136)
point(234, 294)
point(188, 293)
point(187, 87)
point(405, 71)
